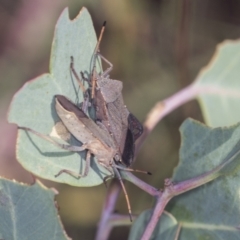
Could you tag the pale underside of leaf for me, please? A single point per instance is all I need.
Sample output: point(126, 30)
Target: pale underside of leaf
point(218, 86)
point(28, 212)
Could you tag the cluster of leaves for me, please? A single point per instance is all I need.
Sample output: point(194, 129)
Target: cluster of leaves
point(209, 157)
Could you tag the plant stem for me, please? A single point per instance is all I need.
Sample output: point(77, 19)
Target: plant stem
point(108, 218)
point(162, 108)
point(141, 184)
point(157, 212)
point(104, 227)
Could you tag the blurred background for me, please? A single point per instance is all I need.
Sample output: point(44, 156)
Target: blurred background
point(157, 47)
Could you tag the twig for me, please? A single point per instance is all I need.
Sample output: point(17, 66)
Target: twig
point(172, 190)
point(162, 108)
point(139, 183)
point(110, 219)
point(104, 227)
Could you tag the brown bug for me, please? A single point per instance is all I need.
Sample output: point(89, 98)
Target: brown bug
point(94, 139)
point(109, 106)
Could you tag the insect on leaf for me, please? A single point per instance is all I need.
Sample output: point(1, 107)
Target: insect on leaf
point(33, 105)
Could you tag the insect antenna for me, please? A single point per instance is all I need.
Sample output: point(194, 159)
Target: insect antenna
point(133, 170)
point(94, 60)
point(100, 37)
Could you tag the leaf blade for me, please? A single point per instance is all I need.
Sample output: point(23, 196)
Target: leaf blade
point(219, 86)
point(28, 212)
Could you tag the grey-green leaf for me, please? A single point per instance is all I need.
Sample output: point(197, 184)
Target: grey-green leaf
point(33, 104)
point(218, 86)
point(167, 227)
point(212, 210)
point(28, 212)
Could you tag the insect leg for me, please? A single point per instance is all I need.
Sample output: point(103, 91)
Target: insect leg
point(85, 104)
point(124, 190)
point(84, 78)
point(106, 178)
point(102, 163)
point(96, 51)
point(109, 69)
point(54, 142)
point(77, 175)
point(76, 75)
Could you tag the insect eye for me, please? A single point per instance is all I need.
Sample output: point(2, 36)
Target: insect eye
point(117, 157)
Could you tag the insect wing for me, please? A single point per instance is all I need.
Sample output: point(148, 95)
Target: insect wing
point(79, 124)
point(135, 126)
point(101, 110)
point(110, 89)
point(118, 115)
point(129, 148)
point(135, 130)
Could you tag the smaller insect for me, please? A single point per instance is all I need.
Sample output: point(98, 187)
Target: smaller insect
point(109, 106)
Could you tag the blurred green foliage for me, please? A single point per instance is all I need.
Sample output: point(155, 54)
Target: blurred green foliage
point(157, 47)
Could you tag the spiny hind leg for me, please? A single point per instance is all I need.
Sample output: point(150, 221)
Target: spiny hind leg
point(54, 142)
